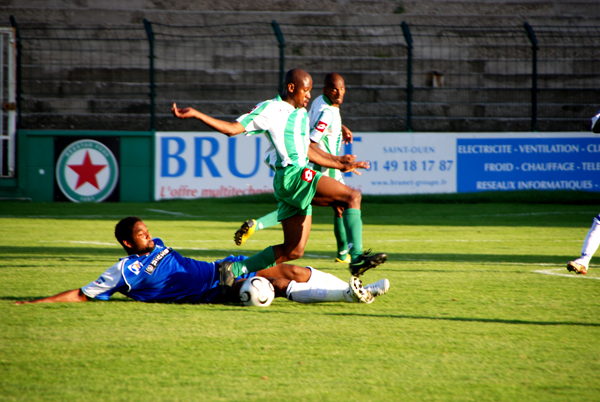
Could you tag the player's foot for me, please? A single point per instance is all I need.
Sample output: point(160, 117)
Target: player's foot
point(365, 262)
point(357, 293)
point(226, 276)
point(577, 267)
point(244, 232)
point(345, 260)
point(378, 288)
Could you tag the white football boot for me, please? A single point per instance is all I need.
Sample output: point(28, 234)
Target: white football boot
point(378, 288)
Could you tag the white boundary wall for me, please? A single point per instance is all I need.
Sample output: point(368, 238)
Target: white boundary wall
point(208, 164)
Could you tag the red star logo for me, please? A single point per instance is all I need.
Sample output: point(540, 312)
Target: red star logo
point(87, 172)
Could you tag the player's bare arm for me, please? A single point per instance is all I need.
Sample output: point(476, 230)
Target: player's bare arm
point(352, 166)
point(70, 296)
point(347, 136)
point(320, 157)
point(342, 159)
point(225, 127)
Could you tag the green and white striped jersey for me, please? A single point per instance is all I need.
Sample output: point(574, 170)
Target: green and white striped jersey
point(326, 131)
point(285, 127)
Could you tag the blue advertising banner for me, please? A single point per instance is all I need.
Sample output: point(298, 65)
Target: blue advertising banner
point(208, 164)
point(495, 164)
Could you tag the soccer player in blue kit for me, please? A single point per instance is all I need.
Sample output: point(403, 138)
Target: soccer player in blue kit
point(155, 273)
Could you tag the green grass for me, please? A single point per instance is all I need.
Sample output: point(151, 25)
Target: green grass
point(467, 317)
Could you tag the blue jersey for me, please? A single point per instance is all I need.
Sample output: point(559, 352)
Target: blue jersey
point(163, 275)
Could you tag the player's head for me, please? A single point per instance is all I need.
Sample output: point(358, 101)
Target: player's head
point(297, 86)
point(334, 89)
point(133, 235)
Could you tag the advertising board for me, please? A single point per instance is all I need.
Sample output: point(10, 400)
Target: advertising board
point(201, 164)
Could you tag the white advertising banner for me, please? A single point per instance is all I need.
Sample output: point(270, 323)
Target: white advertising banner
point(208, 164)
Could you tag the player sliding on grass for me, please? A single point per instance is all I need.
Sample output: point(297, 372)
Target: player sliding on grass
point(284, 122)
point(327, 133)
point(155, 273)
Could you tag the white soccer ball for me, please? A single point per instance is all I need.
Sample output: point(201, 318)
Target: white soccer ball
point(257, 291)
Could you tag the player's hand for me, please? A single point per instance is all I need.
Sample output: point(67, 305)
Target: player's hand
point(352, 166)
point(347, 158)
point(346, 135)
point(183, 113)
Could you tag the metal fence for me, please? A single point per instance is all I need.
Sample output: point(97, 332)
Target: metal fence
point(398, 78)
point(85, 77)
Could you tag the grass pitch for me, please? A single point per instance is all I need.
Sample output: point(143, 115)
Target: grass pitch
point(481, 307)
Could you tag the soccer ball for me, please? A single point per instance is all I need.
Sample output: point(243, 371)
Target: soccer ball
point(257, 291)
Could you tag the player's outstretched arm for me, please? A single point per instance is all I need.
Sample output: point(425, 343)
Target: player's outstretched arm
point(225, 127)
point(315, 153)
point(352, 166)
point(70, 296)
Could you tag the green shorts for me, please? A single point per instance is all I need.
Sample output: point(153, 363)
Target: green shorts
point(295, 188)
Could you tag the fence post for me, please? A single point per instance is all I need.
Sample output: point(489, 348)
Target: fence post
point(13, 23)
point(150, 34)
point(409, 86)
point(534, 49)
point(281, 41)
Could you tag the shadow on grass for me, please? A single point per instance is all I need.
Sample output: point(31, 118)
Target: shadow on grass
point(229, 308)
point(468, 319)
point(533, 259)
point(431, 318)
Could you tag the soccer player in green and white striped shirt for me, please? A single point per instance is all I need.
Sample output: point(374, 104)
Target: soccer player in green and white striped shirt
point(328, 133)
point(284, 122)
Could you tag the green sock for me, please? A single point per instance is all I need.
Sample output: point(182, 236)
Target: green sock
point(264, 259)
point(267, 221)
point(340, 236)
point(353, 225)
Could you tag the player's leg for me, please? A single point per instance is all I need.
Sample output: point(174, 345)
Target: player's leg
point(316, 286)
point(295, 233)
point(324, 287)
point(287, 271)
point(331, 192)
point(251, 225)
point(590, 245)
point(339, 230)
point(296, 230)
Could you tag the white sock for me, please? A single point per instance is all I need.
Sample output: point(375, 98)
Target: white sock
point(321, 287)
point(591, 242)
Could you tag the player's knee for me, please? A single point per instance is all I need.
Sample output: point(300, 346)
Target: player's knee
point(300, 274)
point(355, 199)
point(296, 253)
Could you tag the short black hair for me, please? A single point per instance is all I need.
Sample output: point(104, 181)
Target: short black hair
point(124, 229)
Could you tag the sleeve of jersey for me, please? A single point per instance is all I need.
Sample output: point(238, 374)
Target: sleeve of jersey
point(257, 121)
point(110, 282)
point(320, 126)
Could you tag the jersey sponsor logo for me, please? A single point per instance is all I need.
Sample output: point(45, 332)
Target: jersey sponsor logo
point(87, 171)
point(100, 281)
point(152, 266)
point(321, 126)
point(135, 267)
point(308, 175)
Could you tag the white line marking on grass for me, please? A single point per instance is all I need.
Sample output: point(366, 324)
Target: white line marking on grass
point(160, 211)
point(78, 242)
point(500, 215)
point(61, 216)
point(554, 273)
point(465, 241)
